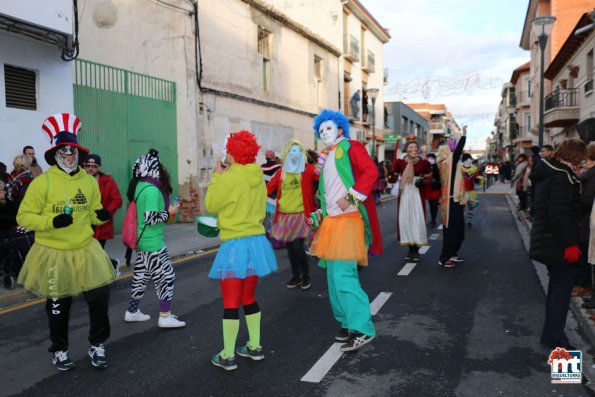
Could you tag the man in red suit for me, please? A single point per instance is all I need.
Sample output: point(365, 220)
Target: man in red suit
point(349, 229)
point(111, 199)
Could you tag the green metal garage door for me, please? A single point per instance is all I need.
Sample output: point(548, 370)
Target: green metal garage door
point(123, 115)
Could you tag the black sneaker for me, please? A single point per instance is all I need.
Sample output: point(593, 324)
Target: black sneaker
point(294, 282)
point(306, 283)
point(457, 259)
point(409, 256)
point(415, 256)
point(97, 354)
point(356, 340)
point(62, 361)
point(343, 335)
point(448, 263)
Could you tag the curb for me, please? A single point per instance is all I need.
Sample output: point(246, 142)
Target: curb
point(19, 295)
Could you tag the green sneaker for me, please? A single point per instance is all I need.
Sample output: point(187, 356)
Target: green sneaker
point(227, 364)
point(255, 354)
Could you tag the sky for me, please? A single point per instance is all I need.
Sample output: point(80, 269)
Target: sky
point(456, 52)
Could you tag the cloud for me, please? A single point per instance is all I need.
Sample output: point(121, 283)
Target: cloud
point(437, 55)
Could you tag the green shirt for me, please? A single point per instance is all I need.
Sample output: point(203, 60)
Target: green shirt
point(291, 201)
point(149, 199)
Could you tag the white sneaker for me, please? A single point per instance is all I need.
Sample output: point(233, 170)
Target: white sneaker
point(136, 316)
point(116, 263)
point(171, 321)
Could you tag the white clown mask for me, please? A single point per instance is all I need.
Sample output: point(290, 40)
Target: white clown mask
point(67, 158)
point(295, 161)
point(329, 132)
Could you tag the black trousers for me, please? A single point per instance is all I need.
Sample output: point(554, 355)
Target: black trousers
point(454, 234)
point(557, 303)
point(297, 258)
point(433, 210)
point(58, 311)
point(522, 199)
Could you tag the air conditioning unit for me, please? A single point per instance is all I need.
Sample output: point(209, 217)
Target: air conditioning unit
point(360, 135)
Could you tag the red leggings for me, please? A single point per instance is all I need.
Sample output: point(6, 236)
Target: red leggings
point(237, 290)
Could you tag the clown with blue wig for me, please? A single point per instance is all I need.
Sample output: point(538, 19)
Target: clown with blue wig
point(348, 229)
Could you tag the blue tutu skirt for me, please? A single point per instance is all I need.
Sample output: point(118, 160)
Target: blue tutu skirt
point(244, 257)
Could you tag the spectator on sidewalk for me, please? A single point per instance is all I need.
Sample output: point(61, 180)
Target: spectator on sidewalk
point(506, 171)
point(33, 167)
point(555, 233)
point(546, 152)
point(150, 188)
point(19, 179)
point(237, 195)
point(584, 279)
point(521, 163)
point(111, 200)
point(432, 191)
point(3, 174)
point(8, 212)
point(60, 207)
point(380, 185)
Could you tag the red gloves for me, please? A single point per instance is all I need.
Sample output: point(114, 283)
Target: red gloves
point(572, 253)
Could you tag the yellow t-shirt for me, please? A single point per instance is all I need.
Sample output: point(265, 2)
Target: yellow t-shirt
point(291, 201)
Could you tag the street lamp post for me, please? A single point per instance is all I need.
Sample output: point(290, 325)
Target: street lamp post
point(373, 93)
point(542, 27)
point(511, 110)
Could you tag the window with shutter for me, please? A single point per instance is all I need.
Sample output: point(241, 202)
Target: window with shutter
point(20, 88)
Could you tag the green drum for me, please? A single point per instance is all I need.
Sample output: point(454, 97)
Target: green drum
point(207, 226)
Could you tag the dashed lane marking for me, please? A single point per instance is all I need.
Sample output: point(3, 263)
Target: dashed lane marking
point(424, 249)
point(379, 302)
point(334, 353)
point(406, 269)
point(439, 227)
point(434, 236)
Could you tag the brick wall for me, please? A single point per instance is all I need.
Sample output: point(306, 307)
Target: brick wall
point(190, 209)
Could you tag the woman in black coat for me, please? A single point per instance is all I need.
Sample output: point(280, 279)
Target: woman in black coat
point(555, 232)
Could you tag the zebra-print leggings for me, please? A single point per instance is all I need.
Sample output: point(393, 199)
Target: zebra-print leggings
point(156, 266)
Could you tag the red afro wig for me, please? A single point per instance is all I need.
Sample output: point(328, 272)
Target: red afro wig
point(243, 147)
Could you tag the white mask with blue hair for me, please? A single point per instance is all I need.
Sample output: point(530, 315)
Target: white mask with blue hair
point(295, 161)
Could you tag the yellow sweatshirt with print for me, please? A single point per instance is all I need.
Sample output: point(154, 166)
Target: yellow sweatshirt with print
point(46, 197)
point(238, 197)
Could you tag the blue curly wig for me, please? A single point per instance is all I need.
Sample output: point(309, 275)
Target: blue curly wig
point(338, 118)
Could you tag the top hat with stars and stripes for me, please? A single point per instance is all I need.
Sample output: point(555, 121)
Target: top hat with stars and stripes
point(62, 129)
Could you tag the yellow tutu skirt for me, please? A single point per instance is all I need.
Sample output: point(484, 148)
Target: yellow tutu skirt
point(341, 237)
point(55, 273)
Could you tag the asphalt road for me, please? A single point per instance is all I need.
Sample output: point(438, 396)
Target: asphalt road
point(468, 331)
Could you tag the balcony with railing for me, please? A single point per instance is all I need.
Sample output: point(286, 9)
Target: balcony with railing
point(561, 108)
point(437, 127)
point(351, 47)
point(369, 62)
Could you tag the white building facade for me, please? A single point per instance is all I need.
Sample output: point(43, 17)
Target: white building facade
point(35, 82)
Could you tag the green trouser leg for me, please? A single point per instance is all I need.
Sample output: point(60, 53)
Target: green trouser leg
point(230, 334)
point(349, 302)
point(253, 323)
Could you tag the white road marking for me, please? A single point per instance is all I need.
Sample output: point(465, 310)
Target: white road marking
point(324, 364)
point(439, 227)
point(434, 236)
point(424, 249)
point(334, 353)
point(406, 269)
point(379, 302)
